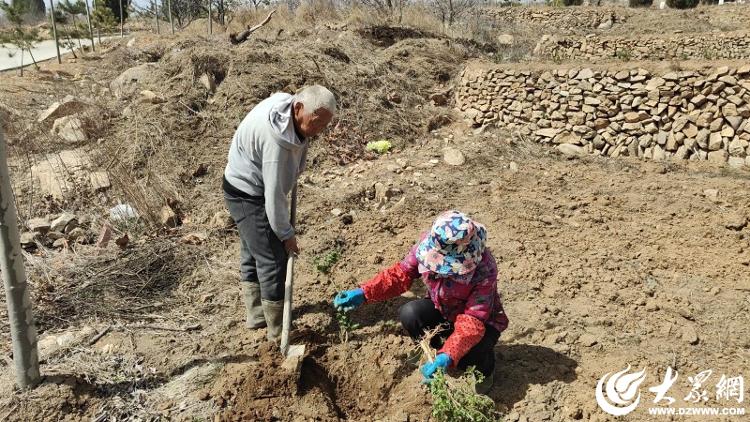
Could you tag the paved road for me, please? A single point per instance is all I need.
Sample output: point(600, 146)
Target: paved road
point(10, 57)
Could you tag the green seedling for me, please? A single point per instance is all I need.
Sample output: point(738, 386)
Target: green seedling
point(324, 263)
point(346, 325)
point(456, 400)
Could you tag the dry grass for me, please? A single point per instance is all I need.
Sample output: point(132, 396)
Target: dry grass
point(424, 343)
point(108, 284)
point(419, 15)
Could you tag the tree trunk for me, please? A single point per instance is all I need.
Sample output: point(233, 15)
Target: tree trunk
point(91, 29)
point(54, 31)
point(171, 21)
point(33, 60)
point(70, 47)
point(21, 68)
point(210, 27)
point(22, 328)
point(156, 16)
point(122, 21)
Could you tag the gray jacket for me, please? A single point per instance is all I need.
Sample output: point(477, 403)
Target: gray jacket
point(266, 157)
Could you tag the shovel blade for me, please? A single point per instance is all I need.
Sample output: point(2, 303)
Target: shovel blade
point(294, 356)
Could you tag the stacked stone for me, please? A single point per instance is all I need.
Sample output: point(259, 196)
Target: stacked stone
point(594, 48)
point(680, 115)
point(567, 19)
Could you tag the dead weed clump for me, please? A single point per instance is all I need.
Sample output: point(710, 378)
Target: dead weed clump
point(109, 284)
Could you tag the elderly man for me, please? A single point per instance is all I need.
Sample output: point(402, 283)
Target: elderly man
point(267, 155)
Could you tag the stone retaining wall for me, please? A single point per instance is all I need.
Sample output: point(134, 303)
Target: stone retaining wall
point(565, 19)
point(594, 48)
point(622, 112)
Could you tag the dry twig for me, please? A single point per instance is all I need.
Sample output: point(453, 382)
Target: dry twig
point(244, 35)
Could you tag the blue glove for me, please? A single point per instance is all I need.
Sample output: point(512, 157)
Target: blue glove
point(441, 362)
point(349, 300)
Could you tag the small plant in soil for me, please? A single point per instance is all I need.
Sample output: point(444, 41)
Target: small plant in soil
point(324, 263)
point(624, 55)
point(456, 400)
point(346, 325)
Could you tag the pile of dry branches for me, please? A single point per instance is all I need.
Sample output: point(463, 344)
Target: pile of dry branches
point(109, 284)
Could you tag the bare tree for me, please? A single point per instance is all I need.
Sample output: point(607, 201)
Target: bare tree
point(184, 11)
point(387, 8)
point(258, 3)
point(449, 11)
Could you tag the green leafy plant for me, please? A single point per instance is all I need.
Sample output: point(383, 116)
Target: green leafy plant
point(346, 325)
point(381, 147)
point(324, 263)
point(456, 400)
point(103, 18)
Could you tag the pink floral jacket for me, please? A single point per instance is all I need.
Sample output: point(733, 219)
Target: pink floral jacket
point(469, 302)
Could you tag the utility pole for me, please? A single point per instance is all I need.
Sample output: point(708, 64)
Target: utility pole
point(91, 30)
point(54, 31)
point(171, 22)
point(22, 328)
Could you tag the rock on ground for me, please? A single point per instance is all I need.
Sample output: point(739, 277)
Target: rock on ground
point(67, 107)
point(39, 225)
point(58, 174)
point(168, 218)
point(69, 129)
point(99, 180)
point(505, 40)
point(127, 83)
point(571, 150)
point(453, 157)
point(63, 221)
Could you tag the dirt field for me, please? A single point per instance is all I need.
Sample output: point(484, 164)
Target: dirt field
point(604, 263)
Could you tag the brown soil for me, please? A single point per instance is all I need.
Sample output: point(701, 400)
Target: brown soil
point(603, 263)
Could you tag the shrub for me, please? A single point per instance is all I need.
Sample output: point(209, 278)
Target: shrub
point(682, 4)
